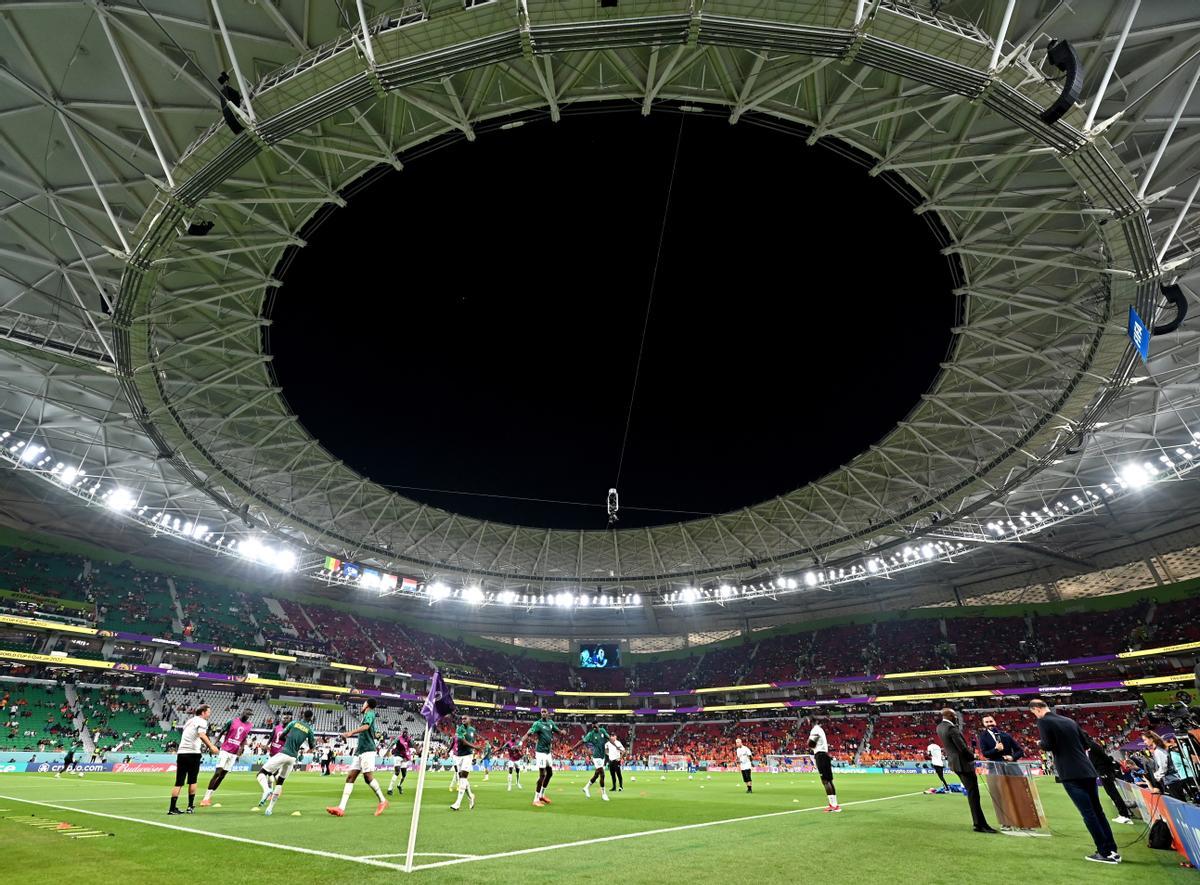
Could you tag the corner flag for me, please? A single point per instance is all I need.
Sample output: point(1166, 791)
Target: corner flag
point(439, 703)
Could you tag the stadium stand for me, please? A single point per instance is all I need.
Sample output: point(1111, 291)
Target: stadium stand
point(122, 721)
point(34, 717)
point(217, 615)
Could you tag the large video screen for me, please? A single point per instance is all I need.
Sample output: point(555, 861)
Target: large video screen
point(599, 656)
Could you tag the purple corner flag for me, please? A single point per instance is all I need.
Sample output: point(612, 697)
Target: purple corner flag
point(440, 701)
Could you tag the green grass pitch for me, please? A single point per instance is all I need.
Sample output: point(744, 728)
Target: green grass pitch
point(889, 832)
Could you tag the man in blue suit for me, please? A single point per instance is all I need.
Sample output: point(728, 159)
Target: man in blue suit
point(997, 745)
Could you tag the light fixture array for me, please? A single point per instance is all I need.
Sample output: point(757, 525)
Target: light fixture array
point(938, 546)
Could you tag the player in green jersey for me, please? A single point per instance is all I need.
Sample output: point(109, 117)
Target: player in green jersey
point(543, 729)
point(464, 752)
point(278, 767)
point(596, 738)
point(364, 761)
point(486, 760)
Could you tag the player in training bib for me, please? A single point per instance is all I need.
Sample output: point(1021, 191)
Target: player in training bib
point(237, 733)
point(402, 754)
point(820, 747)
point(513, 754)
point(543, 730)
point(295, 735)
point(364, 761)
point(274, 748)
point(464, 751)
point(744, 762)
point(596, 738)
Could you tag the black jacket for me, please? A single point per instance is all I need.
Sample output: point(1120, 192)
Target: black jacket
point(1004, 744)
point(959, 755)
point(1065, 739)
point(1104, 764)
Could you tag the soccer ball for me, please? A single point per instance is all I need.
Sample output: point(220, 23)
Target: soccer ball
point(632, 777)
point(689, 777)
point(663, 778)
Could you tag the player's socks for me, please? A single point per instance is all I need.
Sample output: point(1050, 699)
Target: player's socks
point(266, 788)
point(833, 799)
point(207, 795)
point(587, 790)
point(378, 790)
point(462, 788)
point(174, 804)
point(346, 791)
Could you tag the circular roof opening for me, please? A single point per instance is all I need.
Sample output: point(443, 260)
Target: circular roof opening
point(467, 330)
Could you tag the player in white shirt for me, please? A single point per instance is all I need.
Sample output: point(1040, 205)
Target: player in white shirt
point(614, 749)
point(743, 760)
point(938, 760)
point(818, 743)
point(187, 760)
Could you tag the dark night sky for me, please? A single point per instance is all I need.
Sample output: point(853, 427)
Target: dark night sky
point(472, 323)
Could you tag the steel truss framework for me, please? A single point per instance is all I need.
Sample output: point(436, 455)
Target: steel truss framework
point(135, 350)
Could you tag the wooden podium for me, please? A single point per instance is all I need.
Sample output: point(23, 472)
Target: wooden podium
point(1014, 793)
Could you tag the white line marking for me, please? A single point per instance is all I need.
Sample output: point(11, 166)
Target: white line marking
point(423, 854)
point(211, 835)
point(621, 836)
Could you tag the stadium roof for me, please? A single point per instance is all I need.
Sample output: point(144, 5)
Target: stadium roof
point(132, 346)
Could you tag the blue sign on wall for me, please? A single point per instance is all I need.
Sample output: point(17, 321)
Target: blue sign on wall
point(1187, 824)
point(1139, 334)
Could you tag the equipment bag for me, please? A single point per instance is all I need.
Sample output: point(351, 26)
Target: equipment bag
point(1160, 835)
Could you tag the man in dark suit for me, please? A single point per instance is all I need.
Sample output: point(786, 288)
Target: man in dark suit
point(1065, 739)
point(961, 759)
point(1108, 771)
point(997, 745)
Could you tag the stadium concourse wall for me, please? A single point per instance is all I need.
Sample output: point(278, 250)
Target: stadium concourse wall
point(284, 586)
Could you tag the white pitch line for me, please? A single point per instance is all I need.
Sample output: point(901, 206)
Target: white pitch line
point(212, 835)
point(620, 836)
point(423, 854)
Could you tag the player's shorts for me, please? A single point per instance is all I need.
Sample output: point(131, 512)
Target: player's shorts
point(187, 768)
point(280, 765)
point(463, 763)
point(513, 765)
point(401, 765)
point(226, 760)
point(364, 762)
point(544, 760)
point(824, 766)
point(597, 762)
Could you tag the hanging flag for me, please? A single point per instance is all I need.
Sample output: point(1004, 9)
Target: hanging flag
point(408, 585)
point(332, 565)
point(440, 701)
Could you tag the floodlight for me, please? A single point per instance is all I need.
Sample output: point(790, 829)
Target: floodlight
point(120, 500)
